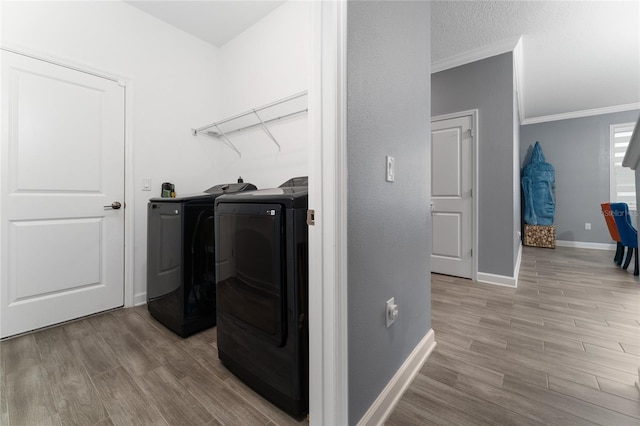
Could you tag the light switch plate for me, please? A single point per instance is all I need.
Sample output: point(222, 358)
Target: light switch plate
point(391, 168)
point(146, 184)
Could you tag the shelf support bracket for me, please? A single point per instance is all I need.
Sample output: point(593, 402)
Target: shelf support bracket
point(228, 142)
point(266, 130)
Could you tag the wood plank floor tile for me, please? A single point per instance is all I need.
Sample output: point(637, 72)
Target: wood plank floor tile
point(631, 349)
point(545, 398)
point(19, 353)
point(225, 405)
point(205, 353)
point(276, 415)
point(418, 409)
point(487, 412)
point(95, 354)
point(124, 400)
point(595, 397)
point(571, 326)
point(541, 362)
point(559, 350)
point(130, 353)
point(29, 397)
point(175, 405)
point(625, 391)
point(4, 407)
point(74, 395)
point(524, 406)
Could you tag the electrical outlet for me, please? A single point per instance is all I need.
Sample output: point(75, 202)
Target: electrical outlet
point(391, 311)
point(587, 226)
point(391, 166)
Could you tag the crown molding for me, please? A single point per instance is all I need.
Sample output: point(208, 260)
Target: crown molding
point(583, 113)
point(475, 55)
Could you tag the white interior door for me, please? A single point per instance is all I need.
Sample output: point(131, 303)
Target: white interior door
point(451, 196)
point(61, 170)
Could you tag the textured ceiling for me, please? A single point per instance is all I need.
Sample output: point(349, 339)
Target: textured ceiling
point(214, 21)
point(577, 55)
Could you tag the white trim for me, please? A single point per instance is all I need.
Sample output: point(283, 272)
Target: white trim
point(502, 280)
point(63, 62)
point(632, 156)
point(140, 299)
point(516, 269)
point(585, 245)
point(475, 55)
point(583, 113)
point(129, 198)
point(129, 297)
point(475, 178)
point(518, 70)
point(328, 357)
point(385, 403)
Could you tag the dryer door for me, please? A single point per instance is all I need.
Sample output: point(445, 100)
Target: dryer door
point(249, 268)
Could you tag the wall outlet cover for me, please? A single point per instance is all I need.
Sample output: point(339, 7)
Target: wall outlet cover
point(391, 172)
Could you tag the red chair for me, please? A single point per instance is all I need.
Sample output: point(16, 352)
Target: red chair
point(613, 231)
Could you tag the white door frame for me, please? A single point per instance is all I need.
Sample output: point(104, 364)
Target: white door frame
point(474, 181)
point(129, 200)
point(328, 360)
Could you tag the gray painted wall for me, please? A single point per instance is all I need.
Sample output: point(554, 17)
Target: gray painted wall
point(389, 226)
point(487, 85)
point(578, 148)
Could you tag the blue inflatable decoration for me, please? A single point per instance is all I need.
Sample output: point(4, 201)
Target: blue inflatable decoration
point(539, 185)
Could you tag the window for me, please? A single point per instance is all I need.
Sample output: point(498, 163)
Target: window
point(622, 180)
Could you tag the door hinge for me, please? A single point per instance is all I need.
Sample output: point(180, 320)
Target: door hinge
point(311, 217)
point(471, 133)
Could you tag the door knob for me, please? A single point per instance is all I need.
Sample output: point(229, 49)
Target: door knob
point(115, 205)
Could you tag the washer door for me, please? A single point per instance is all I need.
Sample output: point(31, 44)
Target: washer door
point(249, 268)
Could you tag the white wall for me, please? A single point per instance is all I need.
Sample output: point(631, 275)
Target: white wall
point(267, 62)
point(176, 83)
point(173, 81)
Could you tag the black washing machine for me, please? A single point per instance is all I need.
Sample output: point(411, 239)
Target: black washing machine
point(180, 259)
point(262, 292)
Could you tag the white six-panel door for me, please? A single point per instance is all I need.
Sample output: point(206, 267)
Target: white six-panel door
point(61, 169)
point(451, 195)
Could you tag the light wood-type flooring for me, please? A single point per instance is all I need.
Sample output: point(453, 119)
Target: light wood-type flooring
point(124, 368)
point(561, 349)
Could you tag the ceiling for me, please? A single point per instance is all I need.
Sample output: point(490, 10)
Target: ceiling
point(576, 55)
point(214, 21)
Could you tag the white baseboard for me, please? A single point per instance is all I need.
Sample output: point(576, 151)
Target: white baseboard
point(503, 280)
point(585, 245)
point(140, 299)
point(383, 406)
point(516, 269)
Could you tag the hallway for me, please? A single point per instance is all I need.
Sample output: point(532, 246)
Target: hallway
point(561, 349)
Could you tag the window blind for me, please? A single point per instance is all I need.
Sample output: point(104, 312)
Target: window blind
point(623, 181)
